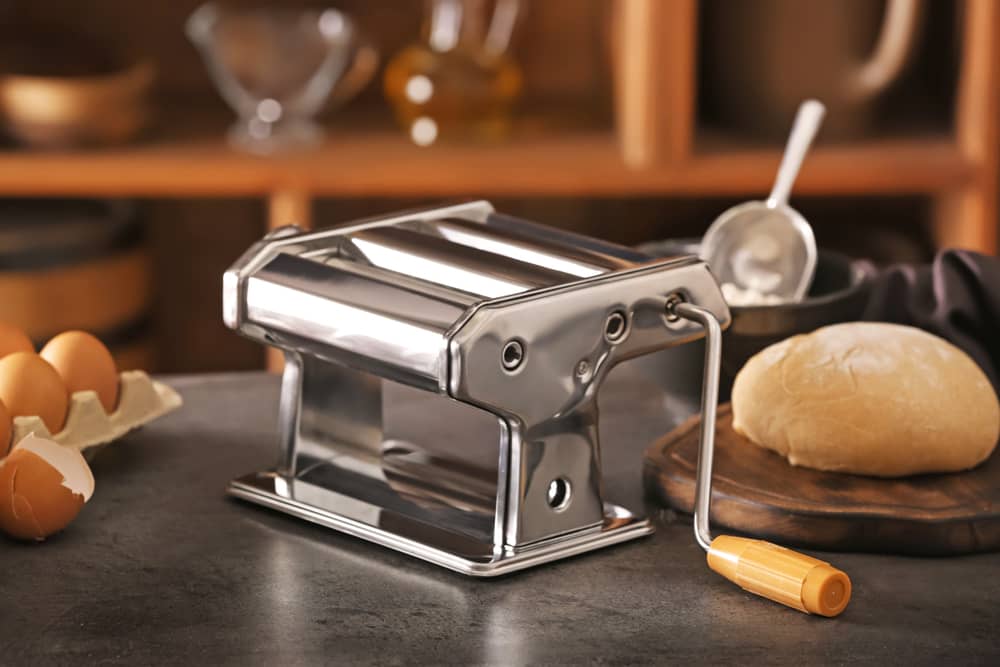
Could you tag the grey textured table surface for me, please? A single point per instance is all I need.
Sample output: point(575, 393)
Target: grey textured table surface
point(162, 568)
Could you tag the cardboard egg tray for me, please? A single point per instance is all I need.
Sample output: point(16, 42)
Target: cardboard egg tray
point(88, 427)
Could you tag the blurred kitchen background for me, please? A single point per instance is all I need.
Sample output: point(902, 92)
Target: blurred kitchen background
point(146, 145)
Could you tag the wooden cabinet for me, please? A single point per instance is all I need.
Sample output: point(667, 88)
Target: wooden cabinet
point(653, 146)
point(657, 107)
point(613, 110)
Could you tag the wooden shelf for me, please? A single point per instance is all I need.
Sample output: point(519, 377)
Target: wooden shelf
point(381, 162)
point(918, 164)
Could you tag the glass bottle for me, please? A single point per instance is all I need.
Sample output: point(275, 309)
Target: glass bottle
point(459, 82)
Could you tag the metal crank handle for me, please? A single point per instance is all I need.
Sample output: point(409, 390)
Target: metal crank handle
point(793, 579)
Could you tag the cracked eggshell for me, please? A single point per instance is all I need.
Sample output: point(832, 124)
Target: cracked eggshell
point(43, 486)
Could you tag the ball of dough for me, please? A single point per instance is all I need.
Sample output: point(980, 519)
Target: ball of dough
point(868, 398)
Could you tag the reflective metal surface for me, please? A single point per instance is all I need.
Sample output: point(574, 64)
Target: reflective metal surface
point(438, 260)
point(769, 250)
point(709, 403)
point(514, 326)
point(767, 247)
point(549, 400)
point(398, 531)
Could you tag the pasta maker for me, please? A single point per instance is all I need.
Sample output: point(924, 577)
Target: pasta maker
point(511, 326)
point(504, 328)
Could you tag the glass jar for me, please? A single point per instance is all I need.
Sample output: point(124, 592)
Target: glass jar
point(459, 81)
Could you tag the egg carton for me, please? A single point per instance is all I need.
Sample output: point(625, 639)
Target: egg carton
point(88, 427)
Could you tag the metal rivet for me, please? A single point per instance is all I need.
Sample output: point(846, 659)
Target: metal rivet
point(582, 368)
point(512, 355)
point(615, 327)
point(559, 494)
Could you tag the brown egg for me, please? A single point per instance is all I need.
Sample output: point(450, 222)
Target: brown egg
point(84, 363)
point(43, 485)
point(13, 340)
point(6, 427)
point(30, 386)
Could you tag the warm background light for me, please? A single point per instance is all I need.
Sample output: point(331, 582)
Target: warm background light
point(626, 119)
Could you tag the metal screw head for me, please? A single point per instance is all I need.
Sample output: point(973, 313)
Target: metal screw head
point(582, 368)
point(512, 355)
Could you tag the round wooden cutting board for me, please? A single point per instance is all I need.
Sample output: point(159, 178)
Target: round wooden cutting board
point(757, 492)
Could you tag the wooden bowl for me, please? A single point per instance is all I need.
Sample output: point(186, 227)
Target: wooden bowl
point(53, 112)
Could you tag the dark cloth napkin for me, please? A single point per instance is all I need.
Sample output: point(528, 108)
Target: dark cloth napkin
point(956, 297)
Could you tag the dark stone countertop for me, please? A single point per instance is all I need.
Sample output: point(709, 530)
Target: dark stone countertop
point(162, 568)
